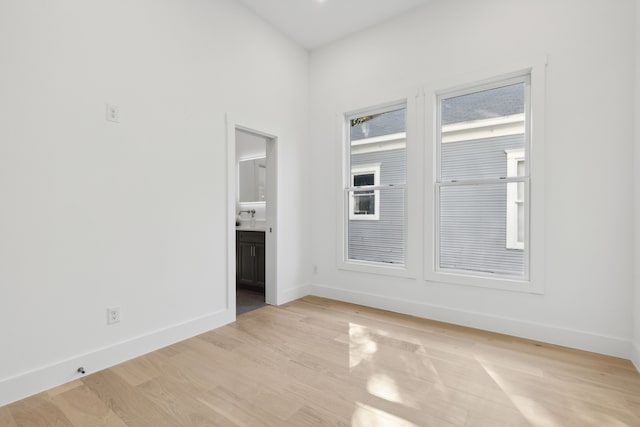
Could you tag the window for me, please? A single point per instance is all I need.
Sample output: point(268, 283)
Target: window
point(482, 184)
point(374, 187)
point(365, 203)
point(515, 200)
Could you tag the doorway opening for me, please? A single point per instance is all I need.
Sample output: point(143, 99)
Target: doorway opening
point(252, 237)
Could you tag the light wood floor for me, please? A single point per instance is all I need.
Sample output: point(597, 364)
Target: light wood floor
point(316, 362)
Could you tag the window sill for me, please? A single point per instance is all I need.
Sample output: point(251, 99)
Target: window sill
point(453, 277)
point(395, 270)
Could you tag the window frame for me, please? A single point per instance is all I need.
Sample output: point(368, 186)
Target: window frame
point(440, 183)
point(536, 69)
point(408, 269)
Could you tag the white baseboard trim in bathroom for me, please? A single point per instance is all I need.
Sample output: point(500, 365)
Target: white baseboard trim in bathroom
point(635, 355)
point(289, 295)
point(58, 373)
point(608, 345)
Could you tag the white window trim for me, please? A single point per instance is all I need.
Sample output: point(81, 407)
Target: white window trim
point(361, 170)
point(535, 240)
point(513, 158)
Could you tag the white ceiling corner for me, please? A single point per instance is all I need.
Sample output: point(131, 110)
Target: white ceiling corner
point(314, 23)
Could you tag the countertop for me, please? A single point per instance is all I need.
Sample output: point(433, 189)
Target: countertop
point(258, 227)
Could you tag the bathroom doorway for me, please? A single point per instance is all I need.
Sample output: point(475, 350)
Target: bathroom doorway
point(252, 199)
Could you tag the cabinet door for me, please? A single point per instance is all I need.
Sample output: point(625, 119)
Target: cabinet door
point(260, 262)
point(246, 268)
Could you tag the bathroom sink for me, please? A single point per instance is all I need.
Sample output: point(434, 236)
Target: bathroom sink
point(260, 226)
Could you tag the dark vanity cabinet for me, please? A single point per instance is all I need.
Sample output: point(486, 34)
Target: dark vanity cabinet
point(250, 259)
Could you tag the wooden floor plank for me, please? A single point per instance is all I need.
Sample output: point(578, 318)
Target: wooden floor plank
point(182, 402)
point(84, 408)
point(128, 403)
point(6, 419)
point(137, 371)
point(64, 388)
point(234, 407)
point(318, 362)
point(38, 410)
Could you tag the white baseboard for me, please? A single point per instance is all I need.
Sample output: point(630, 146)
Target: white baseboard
point(58, 373)
point(635, 355)
point(289, 295)
point(612, 346)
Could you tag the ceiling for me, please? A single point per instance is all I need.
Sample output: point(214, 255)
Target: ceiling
point(313, 23)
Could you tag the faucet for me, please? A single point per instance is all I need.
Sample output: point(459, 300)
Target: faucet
point(249, 211)
point(252, 221)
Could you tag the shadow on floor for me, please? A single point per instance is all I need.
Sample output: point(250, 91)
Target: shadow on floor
point(248, 300)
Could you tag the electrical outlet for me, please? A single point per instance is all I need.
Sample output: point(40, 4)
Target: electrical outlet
point(113, 315)
point(113, 113)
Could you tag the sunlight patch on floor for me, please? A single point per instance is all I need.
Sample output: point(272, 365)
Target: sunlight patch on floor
point(532, 411)
point(368, 416)
point(361, 346)
point(384, 387)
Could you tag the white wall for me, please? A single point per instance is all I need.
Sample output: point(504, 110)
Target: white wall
point(588, 158)
point(97, 214)
point(635, 354)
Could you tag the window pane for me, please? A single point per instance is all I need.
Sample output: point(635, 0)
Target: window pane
point(520, 192)
point(473, 230)
point(377, 154)
point(478, 128)
point(366, 179)
point(364, 203)
point(380, 139)
point(375, 125)
point(520, 223)
point(380, 240)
